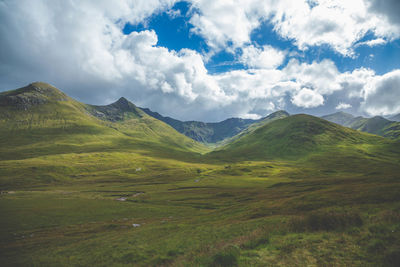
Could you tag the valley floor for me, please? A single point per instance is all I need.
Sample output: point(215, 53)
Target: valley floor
point(124, 209)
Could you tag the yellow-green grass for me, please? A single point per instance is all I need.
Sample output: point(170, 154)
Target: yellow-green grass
point(192, 213)
point(295, 192)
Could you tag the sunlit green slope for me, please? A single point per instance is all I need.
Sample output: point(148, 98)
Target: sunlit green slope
point(300, 136)
point(39, 120)
point(375, 125)
point(86, 185)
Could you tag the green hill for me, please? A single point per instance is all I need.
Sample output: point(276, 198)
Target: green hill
point(299, 136)
point(342, 118)
point(375, 125)
point(85, 185)
point(252, 127)
point(40, 119)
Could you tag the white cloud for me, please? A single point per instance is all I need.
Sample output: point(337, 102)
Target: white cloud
point(389, 8)
point(307, 98)
point(320, 76)
point(342, 105)
point(371, 43)
point(81, 49)
point(265, 57)
point(220, 22)
point(355, 81)
point(337, 23)
point(382, 95)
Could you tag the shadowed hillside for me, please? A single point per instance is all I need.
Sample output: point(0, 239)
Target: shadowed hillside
point(211, 132)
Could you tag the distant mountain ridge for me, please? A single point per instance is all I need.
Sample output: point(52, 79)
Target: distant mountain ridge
point(375, 125)
point(395, 118)
point(212, 132)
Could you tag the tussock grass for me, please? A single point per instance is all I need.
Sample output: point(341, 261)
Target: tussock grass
point(326, 221)
point(294, 192)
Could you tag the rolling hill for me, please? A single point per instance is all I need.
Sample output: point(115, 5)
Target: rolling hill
point(375, 125)
point(40, 119)
point(87, 185)
point(300, 136)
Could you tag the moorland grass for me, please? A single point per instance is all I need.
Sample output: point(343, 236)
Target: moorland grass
point(80, 191)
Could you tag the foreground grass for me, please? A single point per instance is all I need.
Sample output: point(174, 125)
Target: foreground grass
point(78, 190)
point(63, 210)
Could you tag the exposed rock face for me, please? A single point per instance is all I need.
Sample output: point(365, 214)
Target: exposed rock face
point(116, 111)
point(31, 95)
point(22, 102)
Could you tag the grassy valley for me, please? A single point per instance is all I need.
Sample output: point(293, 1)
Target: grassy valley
point(85, 185)
point(211, 132)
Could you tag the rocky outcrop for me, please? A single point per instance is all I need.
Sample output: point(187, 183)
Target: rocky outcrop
point(31, 95)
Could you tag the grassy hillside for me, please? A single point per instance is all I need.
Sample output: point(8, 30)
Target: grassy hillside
point(376, 125)
point(110, 186)
point(341, 118)
point(298, 136)
point(252, 127)
point(40, 120)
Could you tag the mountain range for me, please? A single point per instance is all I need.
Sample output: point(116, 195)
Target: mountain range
point(229, 128)
point(119, 185)
point(375, 125)
point(40, 106)
point(395, 117)
point(203, 131)
point(42, 119)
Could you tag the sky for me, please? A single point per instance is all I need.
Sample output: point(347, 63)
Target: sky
point(209, 60)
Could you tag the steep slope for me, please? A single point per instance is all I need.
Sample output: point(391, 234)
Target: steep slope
point(298, 137)
point(280, 114)
point(205, 132)
point(342, 118)
point(215, 132)
point(264, 121)
point(118, 111)
point(39, 119)
point(199, 131)
point(395, 118)
point(375, 125)
point(134, 122)
point(211, 132)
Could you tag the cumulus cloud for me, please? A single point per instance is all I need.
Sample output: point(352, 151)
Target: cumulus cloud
point(337, 23)
point(388, 8)
point(81, 49)
point(321, 76)
point(342, 105)
point(265, 57)
point(307, 98)
point(220, 22)
point(382, 95)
